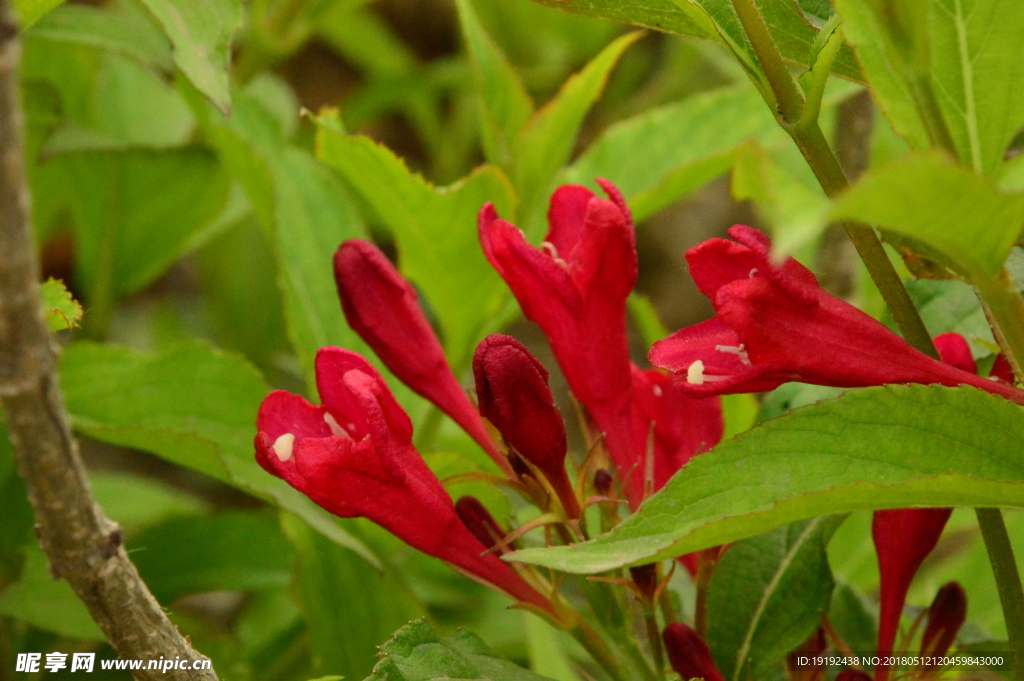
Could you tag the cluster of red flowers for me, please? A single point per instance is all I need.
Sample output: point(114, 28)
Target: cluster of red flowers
point(354, 456)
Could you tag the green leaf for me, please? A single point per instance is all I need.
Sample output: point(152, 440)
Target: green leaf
point(951, 306)
point(767, 596)
point(872, 448)
point(119, 29)
point(16, 530)
point(851, 618)
point(931, 198)
point(62, 311)
point(435, 230)
point(545, 144)
point(189, 404)
point(505, 104)
point(28, 12)
point(135, 502)
point(232, 551)
point(348, 606)
point(418, 653)
point(201, 35)
point(662, 154)
point(47, 603)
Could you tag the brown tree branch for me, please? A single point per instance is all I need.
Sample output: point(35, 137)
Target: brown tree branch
point(83, 545)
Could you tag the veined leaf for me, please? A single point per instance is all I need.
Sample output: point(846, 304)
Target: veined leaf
point(872, 448)
point(62, 311)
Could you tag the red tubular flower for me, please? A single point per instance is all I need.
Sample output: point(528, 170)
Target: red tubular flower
point(512, 390)
point(381, 306)
point(689, 655)
point(575, 287)
point(678, 425)
point(775, 324)
point(903, 538)
point(946, 615)
point(354, 456)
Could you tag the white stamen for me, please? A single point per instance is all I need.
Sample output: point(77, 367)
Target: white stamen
point(336, 429)
point(695, 373)
point(283, 446)
point(552, 252)
point(658, 392)
point(753, 273)
point(739, 351)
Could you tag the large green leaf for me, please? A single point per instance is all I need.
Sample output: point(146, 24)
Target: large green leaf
point(545, 144)
point(349, 607)
point(189, 404)
point(885, 447)
point(767, 596)
point(929, 197)
point(418, 653)
point(946, 72)
point(435, 229)
point(28, 12)
point(201, 35)
point(504, 102)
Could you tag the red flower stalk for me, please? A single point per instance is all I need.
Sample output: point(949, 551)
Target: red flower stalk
point(575, 287)
point(903, 538)
point(946, 615)
point(381, 306)
point(512, 390)
point(774, 324)
point(689, 655)
point(677, 425)
point(353, 456)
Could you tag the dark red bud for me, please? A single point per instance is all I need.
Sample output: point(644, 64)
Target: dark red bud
point(946, 615)
point(479, 521)
point(852, 675)
point(522, 471)
point(603, 482)
point(645, 577)
point(688, 655)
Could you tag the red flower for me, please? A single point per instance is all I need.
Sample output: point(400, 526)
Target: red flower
point(575, 287)
point(381, 306)
point(354, 456)
point(903, 538)
point(775, 324)
point(677, 425)
point(512, 389)
point(688, 654)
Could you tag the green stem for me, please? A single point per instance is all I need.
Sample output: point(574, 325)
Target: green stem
point(1005, 311)
point(598, 649)
point(654, 640)
point(1011, 595)
point(789, 106)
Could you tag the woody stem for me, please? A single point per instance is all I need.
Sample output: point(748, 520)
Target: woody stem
point(789, 107)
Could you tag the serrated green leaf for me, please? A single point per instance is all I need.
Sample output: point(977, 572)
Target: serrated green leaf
point(547, 141)
point(872, 448)
point(505, 104)
point(931, 198)
point(201, 35)
point(348, 606)
point(62, 311)
point(767, 596)
point(189, 404)
point(435, 230)
point(418, 653)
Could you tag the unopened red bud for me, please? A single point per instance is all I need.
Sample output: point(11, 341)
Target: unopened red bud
point(522, 471)
point(513, 394)
point(479, 521)
point(946, 615)
point(688, 654)
point(603, 482)
point(645, 577)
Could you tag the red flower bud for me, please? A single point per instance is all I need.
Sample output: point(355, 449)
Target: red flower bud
point(688, 655)
point(381, 306)
point(903, 538)
point(512, 390)
point(479, 521)
point(946, 615)
point(353, 456)
point(603, 482)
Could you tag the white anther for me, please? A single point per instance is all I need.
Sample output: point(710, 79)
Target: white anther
point(283, 446)
point(740, 351)
point(336, 429)
point(552, 252)
point(695, 373)
point(753, 273)
point(658, 392)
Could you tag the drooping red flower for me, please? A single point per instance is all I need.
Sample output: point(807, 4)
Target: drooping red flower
point(353, 456)
point(774, 324)
point(947, 614)
point(688, 654)
point(381, 306)
point(903, 539)
point(513, 394)
point(575, 288)
point(671, 427)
